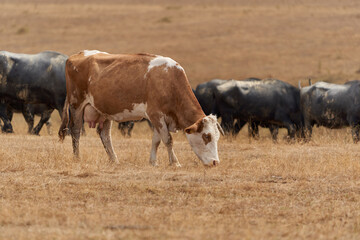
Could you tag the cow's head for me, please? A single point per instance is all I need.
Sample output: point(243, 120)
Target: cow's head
point(203, 137)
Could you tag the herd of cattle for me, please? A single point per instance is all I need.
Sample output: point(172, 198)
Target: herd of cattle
point(37, 84)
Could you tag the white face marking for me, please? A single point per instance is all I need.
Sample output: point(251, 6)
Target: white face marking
point(206, 152)
point(92, 52)
point(136, 113)
point(10, 64)
point(159, 61)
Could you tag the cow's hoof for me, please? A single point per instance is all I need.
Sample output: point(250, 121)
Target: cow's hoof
point(7, 131)
point(154, 163)
point(177, 164)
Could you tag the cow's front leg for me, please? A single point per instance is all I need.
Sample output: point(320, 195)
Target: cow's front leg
point(104, 130)
point(168, 141)
point(45, 116)
point(154, 147)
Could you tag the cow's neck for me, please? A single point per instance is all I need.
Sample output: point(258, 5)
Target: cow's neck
point(188, 112)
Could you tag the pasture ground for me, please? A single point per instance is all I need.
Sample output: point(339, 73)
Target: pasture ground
point(261, 190)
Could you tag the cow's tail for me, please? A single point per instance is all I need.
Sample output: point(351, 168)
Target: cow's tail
point(65, 119)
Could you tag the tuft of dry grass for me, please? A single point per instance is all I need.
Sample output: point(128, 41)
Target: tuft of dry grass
point(22, 30)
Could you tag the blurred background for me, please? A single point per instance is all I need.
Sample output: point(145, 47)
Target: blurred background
point(290, 40)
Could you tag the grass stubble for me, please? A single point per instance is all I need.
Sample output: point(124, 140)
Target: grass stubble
point(260, 190)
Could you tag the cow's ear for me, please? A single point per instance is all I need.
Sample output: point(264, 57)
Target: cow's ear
point(196, 127)
point(191, 129)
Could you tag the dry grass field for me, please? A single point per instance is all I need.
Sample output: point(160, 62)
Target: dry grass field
point(261, 190)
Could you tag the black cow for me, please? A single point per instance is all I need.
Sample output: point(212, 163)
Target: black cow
point(269, 103)
point(32, 78)
point(204, 93)
point(332, 106)
point(28, 111)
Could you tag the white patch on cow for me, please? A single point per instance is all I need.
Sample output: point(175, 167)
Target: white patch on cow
point(92, 52)
point(207, 153)
point(90, 79)
point(3, 77)
point(23, 94)
point(10, 64)
point(160, 60)
point(137, 112)
point(49, 68)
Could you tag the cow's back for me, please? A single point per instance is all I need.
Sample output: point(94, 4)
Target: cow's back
point(331, 105)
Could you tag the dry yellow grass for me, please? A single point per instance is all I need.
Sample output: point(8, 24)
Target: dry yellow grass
point(260, 190)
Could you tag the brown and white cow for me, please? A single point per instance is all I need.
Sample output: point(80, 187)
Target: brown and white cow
point(102, 87)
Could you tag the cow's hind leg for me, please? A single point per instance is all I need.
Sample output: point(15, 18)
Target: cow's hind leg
point(355, 133)
point(154, 147)
point(274, 130)
point(6, 118)
point(48, 126)
point(105, 136)
point(76, 122)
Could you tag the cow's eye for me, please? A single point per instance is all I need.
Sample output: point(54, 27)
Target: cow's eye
point(206, 138)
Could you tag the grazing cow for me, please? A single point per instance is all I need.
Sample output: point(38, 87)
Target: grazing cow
point(270, 103)
point(332, 106)
point(102, 87)
point(28, 111)
point(32, 78)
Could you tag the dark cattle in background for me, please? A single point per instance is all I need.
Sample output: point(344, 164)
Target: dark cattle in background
point(332, 106)
point(127, 127)
point(269, 103)
point(28, 111)
point(204, 93)
point(32, 78)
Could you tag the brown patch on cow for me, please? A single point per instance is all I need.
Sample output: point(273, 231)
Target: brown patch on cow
point(206, 137)
point(118, 81)
point(198, 126)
